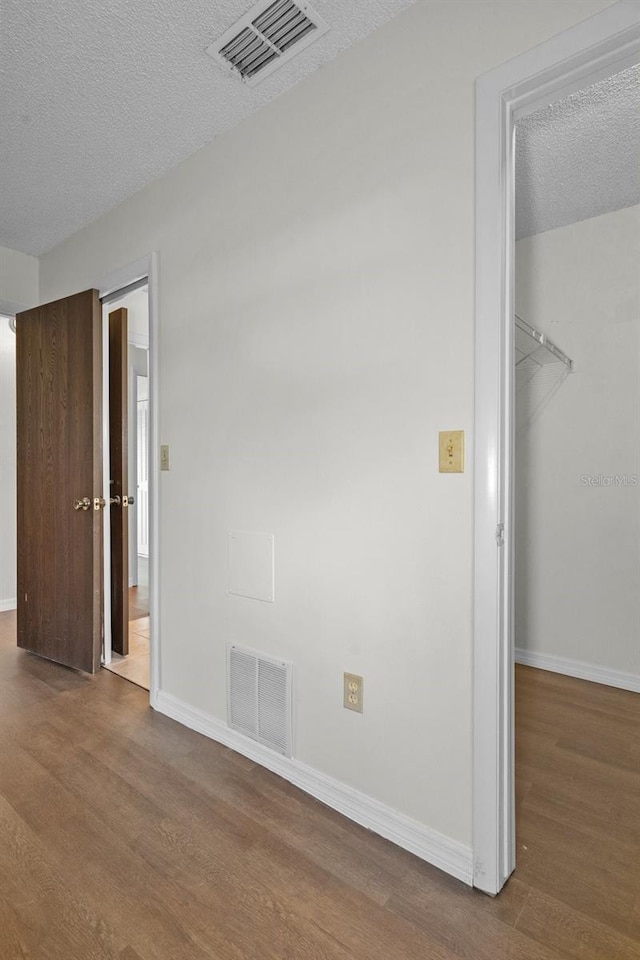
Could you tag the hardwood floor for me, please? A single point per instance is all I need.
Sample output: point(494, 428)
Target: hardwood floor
point(135, 667)
point(138, 602)
point(578, 814)
point(124, 835)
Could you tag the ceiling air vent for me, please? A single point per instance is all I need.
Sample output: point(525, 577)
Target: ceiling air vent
point(266, 37)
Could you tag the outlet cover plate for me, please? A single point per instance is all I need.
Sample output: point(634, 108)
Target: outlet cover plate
point(353, 692)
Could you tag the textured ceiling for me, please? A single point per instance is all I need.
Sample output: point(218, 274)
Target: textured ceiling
point(579, 157)
point(98, 99)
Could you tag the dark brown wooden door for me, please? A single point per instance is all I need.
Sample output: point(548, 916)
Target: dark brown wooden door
point(59, 462)
point(118, 443)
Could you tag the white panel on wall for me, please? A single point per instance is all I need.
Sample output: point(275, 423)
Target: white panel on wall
point(251, 565)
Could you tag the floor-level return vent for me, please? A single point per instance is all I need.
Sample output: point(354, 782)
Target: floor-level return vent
point(266, 37)
point(259, 697)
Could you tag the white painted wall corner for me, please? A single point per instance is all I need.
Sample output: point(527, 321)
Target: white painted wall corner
point(10, 603)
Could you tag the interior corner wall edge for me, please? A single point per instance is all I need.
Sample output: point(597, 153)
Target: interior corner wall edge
point(316, 328)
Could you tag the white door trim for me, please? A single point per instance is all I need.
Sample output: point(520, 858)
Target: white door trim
point(595, 48)
point(148, 267)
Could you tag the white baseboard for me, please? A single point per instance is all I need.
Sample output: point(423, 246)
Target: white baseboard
point(579, 669)
point(10, 604)
point(446, 854)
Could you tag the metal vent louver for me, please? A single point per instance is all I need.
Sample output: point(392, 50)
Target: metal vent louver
point(266, 37)
point(259, 697)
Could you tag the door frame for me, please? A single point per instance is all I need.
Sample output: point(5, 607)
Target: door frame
point(147, 267)
point(592, 50)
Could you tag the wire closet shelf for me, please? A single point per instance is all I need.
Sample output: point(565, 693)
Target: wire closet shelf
point(537, 346)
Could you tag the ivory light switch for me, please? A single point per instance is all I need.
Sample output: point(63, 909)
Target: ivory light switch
point(164, 457)
point(452, 451)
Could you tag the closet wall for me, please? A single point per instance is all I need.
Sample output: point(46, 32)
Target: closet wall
point(578, 446)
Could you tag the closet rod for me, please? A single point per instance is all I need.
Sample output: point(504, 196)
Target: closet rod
point(544, 341)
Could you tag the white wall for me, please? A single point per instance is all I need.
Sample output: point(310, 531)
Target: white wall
point(578, 539)
point(18, 280)
point(316, 324)
point(18, 289)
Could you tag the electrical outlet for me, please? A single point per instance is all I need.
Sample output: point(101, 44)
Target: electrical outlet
point(353, 692)
point(451, 451)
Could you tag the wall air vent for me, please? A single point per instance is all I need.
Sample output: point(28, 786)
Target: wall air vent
point(259, 697)
point(266, 37)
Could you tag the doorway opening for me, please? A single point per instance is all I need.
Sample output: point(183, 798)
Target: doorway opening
point(131, 657)
point(70, 516)
point(594, 49)
point(576, 504)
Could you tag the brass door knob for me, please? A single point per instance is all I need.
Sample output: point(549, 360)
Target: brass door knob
point(84, 504)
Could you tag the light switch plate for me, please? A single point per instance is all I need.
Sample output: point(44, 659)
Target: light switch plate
point(164, 457)
point(452, 451)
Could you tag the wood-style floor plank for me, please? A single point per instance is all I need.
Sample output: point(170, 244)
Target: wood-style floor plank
point(124, 836)
point(552, 922)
